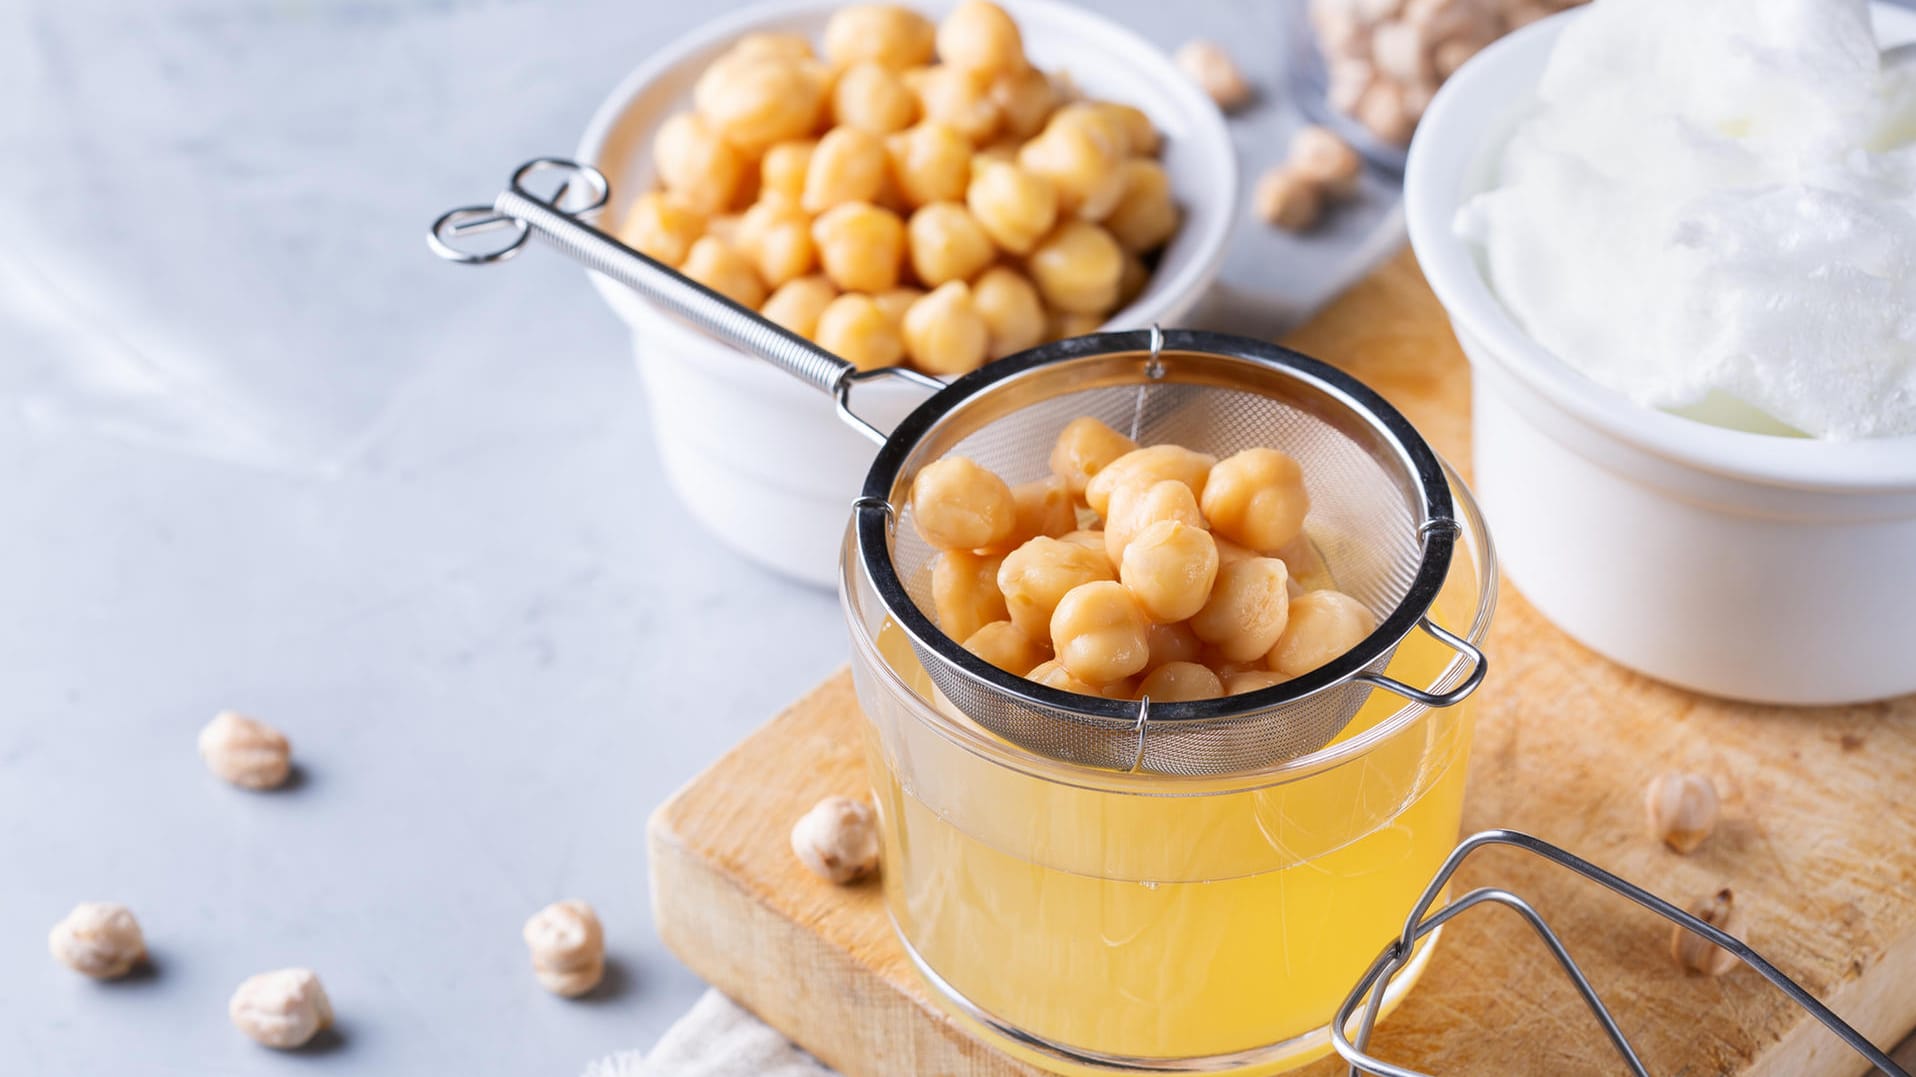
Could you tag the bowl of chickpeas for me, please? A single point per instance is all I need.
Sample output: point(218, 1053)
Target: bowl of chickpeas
point(926, 185)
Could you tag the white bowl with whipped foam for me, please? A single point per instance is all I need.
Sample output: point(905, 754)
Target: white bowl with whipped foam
point(1684, 269)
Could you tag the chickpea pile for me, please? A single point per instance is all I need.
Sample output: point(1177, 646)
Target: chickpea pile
point(917, 194)
point(1132, 572)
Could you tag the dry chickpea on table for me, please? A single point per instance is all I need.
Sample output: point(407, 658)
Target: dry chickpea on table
point(1132, 572)
point(917, 194)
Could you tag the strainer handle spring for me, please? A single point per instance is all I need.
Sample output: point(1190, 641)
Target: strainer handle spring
point(526, 213)
point(1478, 666)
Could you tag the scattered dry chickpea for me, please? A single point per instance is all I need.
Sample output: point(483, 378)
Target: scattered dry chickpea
point(1287, 199)
point(1318, 155)
point(837, 840)
point(1681, 809)
point(957, 505)
point(100, 939)
point(568, 947)
point(283, 1009)
point(246, 751)
point(1212, 68)
point(1699, 955)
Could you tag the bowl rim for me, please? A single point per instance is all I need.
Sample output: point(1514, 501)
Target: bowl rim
point(1208, 132)
point(1450, 140)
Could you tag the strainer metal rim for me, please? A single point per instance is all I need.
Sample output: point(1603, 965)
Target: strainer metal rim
point(874, 517)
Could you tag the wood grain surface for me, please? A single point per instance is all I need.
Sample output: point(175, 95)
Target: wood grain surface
point(1819, 823)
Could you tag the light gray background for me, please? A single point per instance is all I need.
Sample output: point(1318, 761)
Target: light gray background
point(261, 451)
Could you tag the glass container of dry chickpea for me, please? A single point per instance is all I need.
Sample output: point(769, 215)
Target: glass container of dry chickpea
point(1086, 918)
point(936, 188)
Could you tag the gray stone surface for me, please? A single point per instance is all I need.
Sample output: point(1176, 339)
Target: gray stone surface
point(261, 451)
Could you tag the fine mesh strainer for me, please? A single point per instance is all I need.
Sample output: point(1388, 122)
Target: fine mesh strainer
point(1381, 516)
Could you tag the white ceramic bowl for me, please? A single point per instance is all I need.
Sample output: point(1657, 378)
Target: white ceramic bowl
point(1780, 570)
point(761, 459)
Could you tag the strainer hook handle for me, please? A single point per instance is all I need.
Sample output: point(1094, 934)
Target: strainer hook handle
point(530, 214)
point(1479, 665)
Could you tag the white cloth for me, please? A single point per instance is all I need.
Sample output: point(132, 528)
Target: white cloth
point(716, 1038)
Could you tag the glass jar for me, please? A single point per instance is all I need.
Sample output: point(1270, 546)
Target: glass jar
point(1080, 917)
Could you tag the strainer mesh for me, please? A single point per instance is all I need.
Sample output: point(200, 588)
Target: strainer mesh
point(1364, 521)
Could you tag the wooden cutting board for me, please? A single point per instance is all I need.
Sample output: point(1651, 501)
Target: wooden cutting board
point(1817, 838)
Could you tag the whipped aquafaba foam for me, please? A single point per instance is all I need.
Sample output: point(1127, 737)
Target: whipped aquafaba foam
point(1712, 209)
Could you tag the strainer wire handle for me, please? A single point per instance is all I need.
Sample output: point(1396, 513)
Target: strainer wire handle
point(1478, 666)
point(681, 295)
point(1351, 1032)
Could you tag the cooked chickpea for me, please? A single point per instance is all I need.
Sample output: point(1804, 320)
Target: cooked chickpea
point(930, 162)
point(895, 302)
point(695, 163)
point(957, 505)
point(979, 36)
point(1060, 324)
point(797, 304)
point(1045, 510)
point(1141, 137)
point(1037, 575)
point(1251, 680)
point(872, 97)
point(1323, 625)
point(944, 333)
point(1016, 208)
point(1257, 498)
point(1079, 151)
point(961, 98)
point(1090, 540)
point(1085, 447)
point(860, 246)
point(1077, 268)
point(856, 329)
point(723, 227)
point(1170, 567)
point(1228, 551)
point(1132, 282)
point(1004, 646)
point(1177, 682)
point(1174, 642)
point(1134, 508)
point(777, 237)
point(964, 592)
point(1247, 610)
point(848, 166)
point(887, 34)
point(1146, 467)
point(946, 244)
point(662, 226)
point(787, 46)
point(724, 270)
point(1145, 215)
point(1100, 633)
point(1013, 314)
point(783, 169)
point(1025, 97)
point(1052, 674)
point(755, 101)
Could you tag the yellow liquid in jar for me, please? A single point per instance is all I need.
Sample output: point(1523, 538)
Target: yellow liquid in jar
point(1166, 927)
